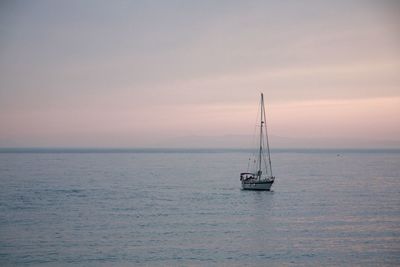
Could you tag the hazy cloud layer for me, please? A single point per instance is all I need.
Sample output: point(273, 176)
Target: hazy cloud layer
point(140, 73)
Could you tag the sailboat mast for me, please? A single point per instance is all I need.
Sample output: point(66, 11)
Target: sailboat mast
point(261, 134)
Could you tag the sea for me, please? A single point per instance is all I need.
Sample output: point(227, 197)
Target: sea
point(184, 207)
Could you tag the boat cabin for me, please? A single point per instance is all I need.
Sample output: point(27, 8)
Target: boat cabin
point(247, 176)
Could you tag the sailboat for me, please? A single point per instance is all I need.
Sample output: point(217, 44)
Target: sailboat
point(259, 170)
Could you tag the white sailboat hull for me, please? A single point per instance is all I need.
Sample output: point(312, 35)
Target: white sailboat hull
point(257, 185)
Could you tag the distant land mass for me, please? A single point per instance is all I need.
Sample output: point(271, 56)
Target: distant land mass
point(247, 141)
point(214, 142)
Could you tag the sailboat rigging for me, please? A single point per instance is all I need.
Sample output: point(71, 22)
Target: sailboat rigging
point(259, 176)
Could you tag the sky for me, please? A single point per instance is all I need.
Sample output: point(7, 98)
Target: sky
point(190, 73)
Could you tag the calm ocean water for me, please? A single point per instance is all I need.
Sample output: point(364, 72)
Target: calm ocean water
point(185, 208)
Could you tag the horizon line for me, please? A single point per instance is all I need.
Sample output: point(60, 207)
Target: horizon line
point(183, 149)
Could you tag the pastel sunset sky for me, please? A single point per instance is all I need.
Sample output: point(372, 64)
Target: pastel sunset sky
point(149, 73)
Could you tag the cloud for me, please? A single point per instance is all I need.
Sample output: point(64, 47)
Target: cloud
point(150, 69)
